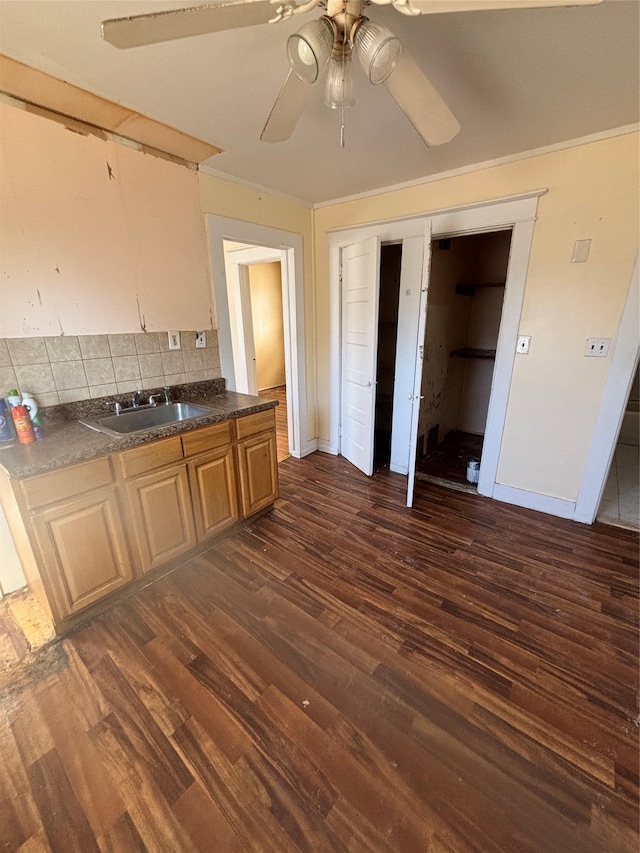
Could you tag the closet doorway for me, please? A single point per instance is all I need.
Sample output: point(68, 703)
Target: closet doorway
point(464, 311)
point(388, 300)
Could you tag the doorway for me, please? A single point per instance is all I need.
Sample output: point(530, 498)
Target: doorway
point(388, 301)
point(256, 309)
point(287, 248)
point(464, 310)
point(516, 213)
point(620, 504)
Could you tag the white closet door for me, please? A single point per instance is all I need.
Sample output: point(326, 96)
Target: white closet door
point(360, 289)
point(419, 359)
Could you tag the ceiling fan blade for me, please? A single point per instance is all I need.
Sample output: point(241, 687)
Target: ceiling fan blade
point(420, 102)
point(427, 7)
point(180, 23)
point(287, 109)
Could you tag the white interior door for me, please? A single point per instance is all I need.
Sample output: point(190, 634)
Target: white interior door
point(419, 359)
point(411, 283)
point(360, 289)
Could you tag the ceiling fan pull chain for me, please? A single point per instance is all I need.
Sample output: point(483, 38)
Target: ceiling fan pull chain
point(344, 73)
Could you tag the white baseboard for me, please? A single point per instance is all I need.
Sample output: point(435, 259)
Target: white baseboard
point(325, 447)
point(308, 447)
point(533, 500)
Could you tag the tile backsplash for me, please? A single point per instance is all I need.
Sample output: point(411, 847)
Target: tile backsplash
point(80, 367)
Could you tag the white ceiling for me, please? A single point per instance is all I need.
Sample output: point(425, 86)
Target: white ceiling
point(515, 80)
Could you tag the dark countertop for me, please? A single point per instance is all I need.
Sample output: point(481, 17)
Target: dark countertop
point(67, 442)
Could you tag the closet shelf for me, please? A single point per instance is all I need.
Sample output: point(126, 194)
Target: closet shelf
point(472, 352)
point(468, 288)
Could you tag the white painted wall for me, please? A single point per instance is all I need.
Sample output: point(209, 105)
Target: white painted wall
point(97, 237)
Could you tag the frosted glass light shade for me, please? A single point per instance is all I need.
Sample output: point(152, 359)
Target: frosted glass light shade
point(309, 49)
point(378, 50)
point(338, 90)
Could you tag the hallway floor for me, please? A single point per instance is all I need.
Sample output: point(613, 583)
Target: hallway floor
point(620, 503)
point(282, 429)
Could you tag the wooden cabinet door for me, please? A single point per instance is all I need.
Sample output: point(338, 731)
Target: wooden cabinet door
point(258, 472)
point(162, 516)
point(84, 550)
point(213, 490)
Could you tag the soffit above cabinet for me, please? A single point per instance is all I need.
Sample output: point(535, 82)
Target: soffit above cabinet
point(70, 105)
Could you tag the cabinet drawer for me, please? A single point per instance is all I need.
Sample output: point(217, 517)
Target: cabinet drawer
point(150, 456)
point(67, 482)
point(253, 424)
point(207, 438)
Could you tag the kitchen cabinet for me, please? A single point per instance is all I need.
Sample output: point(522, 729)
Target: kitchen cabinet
point(257, 461)
point(213, 492)
point(83, 548)
point(161, 516)
point(88, 530)
point(69, 532)
point(159, 501)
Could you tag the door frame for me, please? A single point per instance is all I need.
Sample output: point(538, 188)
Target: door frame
point(220, 228)
point(517, 213)
point(624, 361)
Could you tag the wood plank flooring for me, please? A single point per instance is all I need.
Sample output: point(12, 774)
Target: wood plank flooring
point(346, 675)
point(279, 393)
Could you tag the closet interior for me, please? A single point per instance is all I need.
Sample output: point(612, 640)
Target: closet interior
point(464, 308)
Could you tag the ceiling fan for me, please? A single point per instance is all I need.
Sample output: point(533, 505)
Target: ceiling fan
point(329, 41)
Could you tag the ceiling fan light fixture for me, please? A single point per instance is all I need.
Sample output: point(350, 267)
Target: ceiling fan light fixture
point(378, 50)
point(309, 49)
point(338, 90)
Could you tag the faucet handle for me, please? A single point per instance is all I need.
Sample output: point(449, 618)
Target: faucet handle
point(117, 408)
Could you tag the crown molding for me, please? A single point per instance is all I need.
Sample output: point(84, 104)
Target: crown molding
point(487, 164)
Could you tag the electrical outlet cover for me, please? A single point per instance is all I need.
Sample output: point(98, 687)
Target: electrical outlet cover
point(597, 347)
point(174, 340)
point(523, 344)
point(201, 340)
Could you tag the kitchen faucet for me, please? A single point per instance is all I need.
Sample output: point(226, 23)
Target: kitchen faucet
point(154, 397)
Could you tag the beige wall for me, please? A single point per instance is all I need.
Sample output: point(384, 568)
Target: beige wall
point(97, 237)
point(265, 283)
point(233, 201)
point(555, 391)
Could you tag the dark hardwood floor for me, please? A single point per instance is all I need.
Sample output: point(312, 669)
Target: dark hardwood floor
point(346, 675)
point(282, 430)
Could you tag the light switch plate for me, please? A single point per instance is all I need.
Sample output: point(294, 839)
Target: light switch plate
point(201, 340)
point(174, 340)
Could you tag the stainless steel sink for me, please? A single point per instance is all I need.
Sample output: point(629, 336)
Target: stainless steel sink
point(145, 417)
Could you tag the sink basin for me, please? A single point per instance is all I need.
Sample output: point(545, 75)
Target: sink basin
point(144, 418)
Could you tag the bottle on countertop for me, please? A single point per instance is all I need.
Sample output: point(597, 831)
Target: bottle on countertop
point(7, 432)
point(23, 425)
point(32, 408)
point(14, 398)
